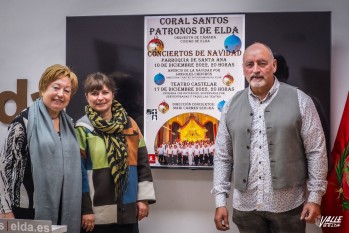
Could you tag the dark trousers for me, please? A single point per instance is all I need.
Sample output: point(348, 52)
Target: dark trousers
point(114, 228)
point(196, 159)
point(161, 158)
point(175, 159)
point(180, 159)
point(201, 158)
point(165, 160)
point(210, 157)
point(185, 159)
point(23, 213)
point(268, 222)
point(205, 158)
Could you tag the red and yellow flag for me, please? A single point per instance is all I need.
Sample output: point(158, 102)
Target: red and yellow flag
point(335, 202)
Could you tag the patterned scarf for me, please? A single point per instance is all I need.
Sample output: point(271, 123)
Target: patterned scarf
point(115, 142)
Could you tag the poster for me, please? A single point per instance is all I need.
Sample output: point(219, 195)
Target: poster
point(193, 65)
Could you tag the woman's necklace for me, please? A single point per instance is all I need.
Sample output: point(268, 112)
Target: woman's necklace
point(53, 118)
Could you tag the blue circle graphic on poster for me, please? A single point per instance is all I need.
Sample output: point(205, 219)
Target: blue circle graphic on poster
point(232, 43)
point(220, 105)
point(159, 79)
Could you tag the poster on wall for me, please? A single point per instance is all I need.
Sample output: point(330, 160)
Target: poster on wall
point(193, 65)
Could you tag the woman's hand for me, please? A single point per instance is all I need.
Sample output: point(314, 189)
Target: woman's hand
point(142, 210)
point(7, 215)
point(88, 222)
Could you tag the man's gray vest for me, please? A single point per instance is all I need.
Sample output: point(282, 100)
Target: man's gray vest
point(283, 128)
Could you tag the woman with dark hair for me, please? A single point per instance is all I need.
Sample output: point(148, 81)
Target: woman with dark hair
point(117, 180)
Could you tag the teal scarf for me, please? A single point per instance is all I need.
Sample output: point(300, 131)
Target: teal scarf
point(56, 167)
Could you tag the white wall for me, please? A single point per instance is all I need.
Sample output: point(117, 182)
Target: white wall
point(32, 37)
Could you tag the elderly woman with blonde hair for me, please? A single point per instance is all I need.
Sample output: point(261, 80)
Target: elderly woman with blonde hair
point(40, 168)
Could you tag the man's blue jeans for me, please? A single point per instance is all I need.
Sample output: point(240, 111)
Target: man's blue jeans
point(268, 222)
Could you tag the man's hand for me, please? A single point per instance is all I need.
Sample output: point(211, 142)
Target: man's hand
point(142, 210)
point(7, 215)
point(310, 212)
point(221, 218)
point(88, 222)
